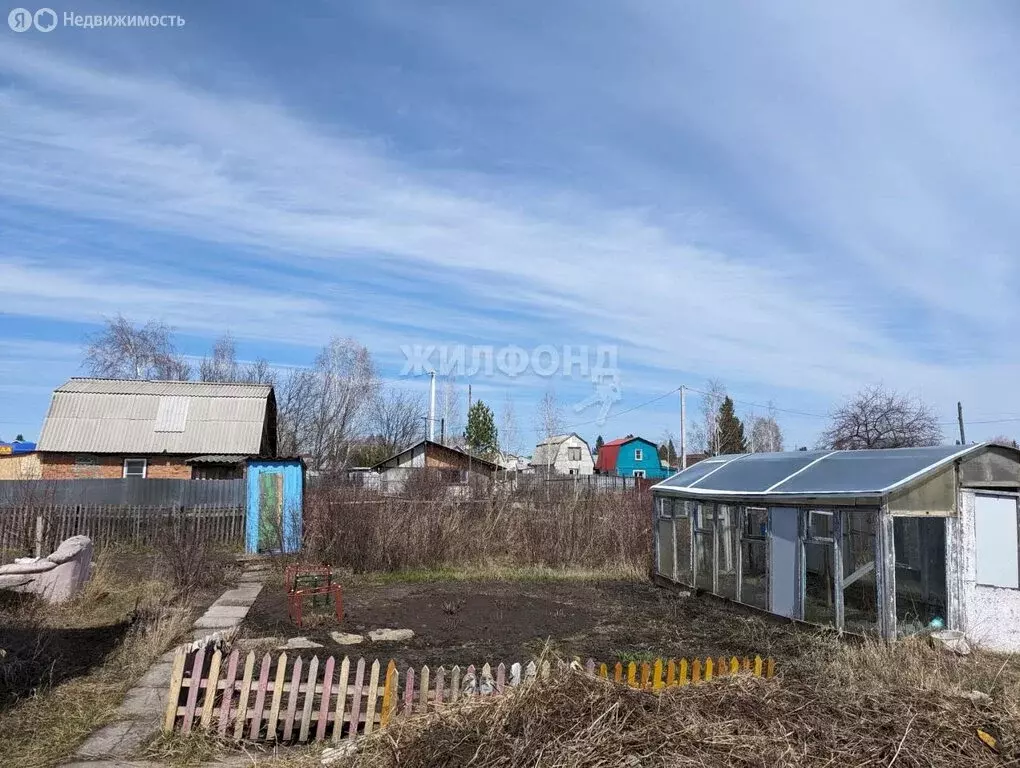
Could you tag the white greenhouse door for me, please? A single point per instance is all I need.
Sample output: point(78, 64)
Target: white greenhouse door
point(995, 532)
point(783, 561)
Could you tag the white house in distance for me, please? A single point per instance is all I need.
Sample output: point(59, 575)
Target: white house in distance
point(563, 455)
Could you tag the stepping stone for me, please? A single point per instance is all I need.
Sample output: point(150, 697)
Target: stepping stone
point(346, 638)
point(226, 611)
point(142, 703)
point(248, 592)
point(390, 635)
point(217, 622)
point(158, 676)
point(120, 739)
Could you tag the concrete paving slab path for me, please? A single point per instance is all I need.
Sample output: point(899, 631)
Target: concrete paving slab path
point(141, 712)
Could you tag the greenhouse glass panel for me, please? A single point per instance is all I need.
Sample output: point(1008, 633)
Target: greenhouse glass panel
point(704, 548)
point(695, 473)
point(860, 589)
point(863, 471)
point(757, 472)
point(920, 548)
point(728, 549)
point(754, 576)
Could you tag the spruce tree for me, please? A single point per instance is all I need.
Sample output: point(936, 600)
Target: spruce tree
point(731, 430)
point(481, 433)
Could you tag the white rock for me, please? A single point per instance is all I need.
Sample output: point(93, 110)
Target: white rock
point(331, 755)
point(299, 643)
point(951, 640)
point(346, 638)
point(390, 635)
point(978, 697)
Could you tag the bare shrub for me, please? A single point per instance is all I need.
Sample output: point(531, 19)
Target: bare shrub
point(434, 526)
point(185, 559)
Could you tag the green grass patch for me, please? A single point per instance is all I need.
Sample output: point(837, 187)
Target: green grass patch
point(500, 573)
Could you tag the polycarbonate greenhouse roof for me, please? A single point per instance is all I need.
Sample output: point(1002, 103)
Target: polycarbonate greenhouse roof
point(830, 474)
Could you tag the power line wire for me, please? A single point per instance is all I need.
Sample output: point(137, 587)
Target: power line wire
point(621, 413)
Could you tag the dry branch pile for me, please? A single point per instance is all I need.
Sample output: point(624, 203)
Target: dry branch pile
point(801, 719)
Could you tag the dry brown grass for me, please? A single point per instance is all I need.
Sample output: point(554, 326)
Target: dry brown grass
point(870, 705)
point(867, 706)
point(49, 719)
point(353, 528)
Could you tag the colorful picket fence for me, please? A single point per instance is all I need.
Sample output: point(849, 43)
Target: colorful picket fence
point(290, 700)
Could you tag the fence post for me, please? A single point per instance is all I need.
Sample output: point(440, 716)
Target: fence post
point(39, 525)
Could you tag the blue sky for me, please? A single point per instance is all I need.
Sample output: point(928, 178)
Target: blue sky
point(798, 199)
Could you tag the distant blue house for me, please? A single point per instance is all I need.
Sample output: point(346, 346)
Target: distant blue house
point(630, 457)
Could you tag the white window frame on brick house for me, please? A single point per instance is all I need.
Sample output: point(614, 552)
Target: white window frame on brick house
point(145, 468)
point(639, 454)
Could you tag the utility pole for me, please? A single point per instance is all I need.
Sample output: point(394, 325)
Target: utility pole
point(683, 427)
point(442, 431)
point(432, 406)
point(959, 415)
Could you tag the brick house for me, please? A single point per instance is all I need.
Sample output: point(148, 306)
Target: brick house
point(111, 428)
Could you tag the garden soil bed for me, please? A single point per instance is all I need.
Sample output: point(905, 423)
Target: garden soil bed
point(471, 622)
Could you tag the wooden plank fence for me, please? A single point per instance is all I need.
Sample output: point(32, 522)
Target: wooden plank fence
point(282, 700)
point(40, 529)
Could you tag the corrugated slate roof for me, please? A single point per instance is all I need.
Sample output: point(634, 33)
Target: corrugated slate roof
point(869, 474)
point(144, 417)
point(146, 387)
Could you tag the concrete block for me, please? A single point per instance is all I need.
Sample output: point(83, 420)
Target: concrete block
point(390, 635)
point(299, 644)
point(216, 622)
point(346, 638)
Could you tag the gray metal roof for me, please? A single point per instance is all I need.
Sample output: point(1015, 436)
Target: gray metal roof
point(146, 387)
point(145, 417)
point(217, 458)
point(835, 475)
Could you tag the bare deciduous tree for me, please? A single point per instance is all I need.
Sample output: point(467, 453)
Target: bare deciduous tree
point(398, 419)
point(295, 393)
point(508, 433)
point(222, 364)
point(766, 436)
point(259, 372)
point(449, 415)
point(703, 435)
point(342, 388)
point(123, 351)
point(1009, 442)
point(879, 418)
point(549, 416)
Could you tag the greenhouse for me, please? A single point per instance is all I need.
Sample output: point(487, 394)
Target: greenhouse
point(887, 542)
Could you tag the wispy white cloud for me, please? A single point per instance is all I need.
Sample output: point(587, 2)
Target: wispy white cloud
point(831, 240)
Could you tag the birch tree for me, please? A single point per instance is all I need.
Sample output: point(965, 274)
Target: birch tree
point(123, 350)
